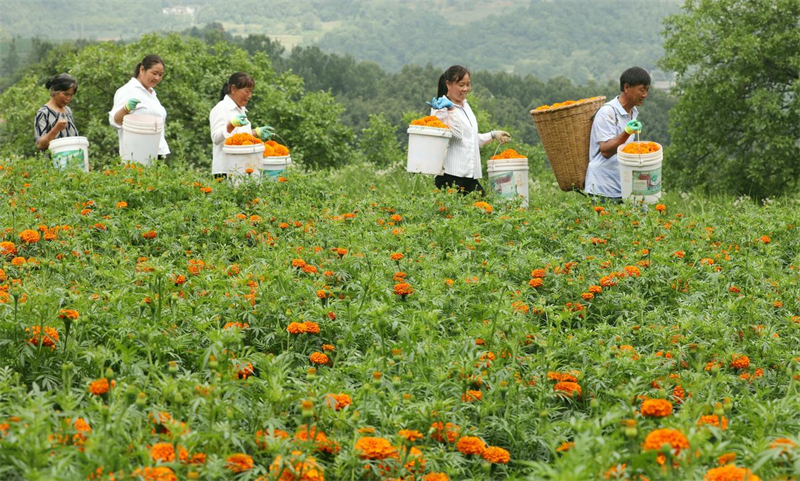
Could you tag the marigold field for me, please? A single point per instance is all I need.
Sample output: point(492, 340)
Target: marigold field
point(158, 325)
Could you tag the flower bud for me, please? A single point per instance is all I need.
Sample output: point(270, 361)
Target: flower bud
point(631, 432)
point(307, 409)
point(718, 410)
point(311, 374)
point(141, 399)
point(109, 373)
point(173, 367)
point(727, 403)
point(212, 362)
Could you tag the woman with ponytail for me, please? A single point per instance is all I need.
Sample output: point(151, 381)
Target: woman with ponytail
point(229, 117)
point(54, 120)
point(462, 164)
point(137, 97)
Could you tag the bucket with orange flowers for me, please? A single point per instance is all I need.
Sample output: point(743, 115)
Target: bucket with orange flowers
point(276, 160)
point(640, 171)
point(508, 174)
point(243, 156)
point(428, 140)
point(564, 128)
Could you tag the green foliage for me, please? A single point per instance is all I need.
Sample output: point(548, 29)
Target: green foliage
point(195, 73)
point(736, 126)
point(379, 143)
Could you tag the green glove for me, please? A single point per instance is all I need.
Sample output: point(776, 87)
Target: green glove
point(131, 104)
point(264, 132)
point(240, 120)
point(633, 127)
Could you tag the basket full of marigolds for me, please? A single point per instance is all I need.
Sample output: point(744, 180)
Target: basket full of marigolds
point(275, 161)
point(243, 155)
point(565, 128)
point(428, 140)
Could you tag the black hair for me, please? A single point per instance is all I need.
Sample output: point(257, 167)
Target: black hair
point(61, 83)
point(634, 76)
point(147, 63)
point(240, 80)
point(453, 74)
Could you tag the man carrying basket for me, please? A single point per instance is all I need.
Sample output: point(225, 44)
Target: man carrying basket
point(612, 126)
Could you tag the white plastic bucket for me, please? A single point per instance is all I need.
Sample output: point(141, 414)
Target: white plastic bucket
point(241, 158)
point(70, 153)
point(640, 175)
point(509, 177)
point(140, 137)
point(427, 147)
point(274, 167)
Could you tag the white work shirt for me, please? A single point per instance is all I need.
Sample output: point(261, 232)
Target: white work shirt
point(463, 157)
point(602, 174)
point(148, 105)
point(218, 119)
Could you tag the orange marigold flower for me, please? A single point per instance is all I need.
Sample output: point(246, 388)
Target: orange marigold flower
point(298, 263)
point(100, 386)
point(410, 435)
point(49, 339)
point(783, 443)
point(468, 445)
point(164, 452)
point(338, 401)
point(484, 206)
point(565, 446)
point(445, 432)
point(661, 208)
point(429, 121)
point(659, 437)
point(151, 234)
point(587, 296)
point(68, 314)
point(568, 388)
point(319, 358)
point(122, 204)
point(472, 395)
point(436, 477)
point(632, 271)
point(8, 248)
point(740, 362)
point(536, 282)
point(641, 148)
point(309, 269)
point(496, 455)
point(726, 458)
point(508, 154)
point(396, 256)
point(403, 289)
point(608, 281)
point(17, 261)
point(160, 473)
point(264, 436)
point(240, 325)
point(311, 327)
point(328, 347)
point(730, 473)
point(595, 289)
point(713, 420)
point(296, 328)
point(375, 448)
point(656, 408)
point(538, 273)
point(765, 239)
point(562, 104)
point(240, 462)
point(29, 236)
point(679, 254)
point(298, 467)
point(243, 139)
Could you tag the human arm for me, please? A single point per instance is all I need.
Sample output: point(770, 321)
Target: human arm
point(46, 136)
point(128, 107)
point(453, 119)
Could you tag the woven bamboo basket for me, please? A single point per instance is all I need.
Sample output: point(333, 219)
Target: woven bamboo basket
point(565, 137)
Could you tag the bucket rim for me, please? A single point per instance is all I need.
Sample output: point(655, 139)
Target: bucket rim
point(276, 160)
point(78, 140)
point(242, 149)
point(429, 131)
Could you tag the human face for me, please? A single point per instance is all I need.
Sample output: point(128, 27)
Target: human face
point(62, 98)
point(457, 91)
point(152, 77)
point(637, 93)
point(241, 95)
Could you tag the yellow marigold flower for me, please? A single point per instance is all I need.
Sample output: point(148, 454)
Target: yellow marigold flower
point(375, 448)
point(240, 462)
point(656, 408)
point(730, 473)
point(468, 445)
point(496, 455)
point(713, 420)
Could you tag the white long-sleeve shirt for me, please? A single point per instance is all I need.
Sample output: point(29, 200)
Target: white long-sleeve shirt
point(148, 105)
point(463, 157)
point(218, 120)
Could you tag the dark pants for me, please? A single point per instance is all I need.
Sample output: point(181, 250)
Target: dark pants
point(220, 176)
point(465, 185)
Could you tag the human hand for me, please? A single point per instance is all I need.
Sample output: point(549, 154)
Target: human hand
point(440, 103)
point(240, 121)
point(633, 127)
point(501, 136)
point(131, 104)
point(264, 132)
point(60, 124)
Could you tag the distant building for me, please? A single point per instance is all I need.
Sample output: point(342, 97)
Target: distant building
point(183, 10)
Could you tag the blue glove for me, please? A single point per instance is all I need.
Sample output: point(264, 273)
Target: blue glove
point(440, 103)
point(264, 132)
point(131, 104)
point(240, 120)
point(633, 127)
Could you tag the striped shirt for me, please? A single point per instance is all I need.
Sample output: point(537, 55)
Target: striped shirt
point(46, 119)
point(463, 157)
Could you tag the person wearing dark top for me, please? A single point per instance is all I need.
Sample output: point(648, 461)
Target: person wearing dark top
point(54, 120)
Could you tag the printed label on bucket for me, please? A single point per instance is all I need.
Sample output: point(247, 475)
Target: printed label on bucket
point(69, 159)
point(646, 182)
point(271, 174)
point(503, 183)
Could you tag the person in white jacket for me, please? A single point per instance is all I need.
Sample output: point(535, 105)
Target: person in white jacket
point(229, 117)
point(462, 164)
point(138, 97)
